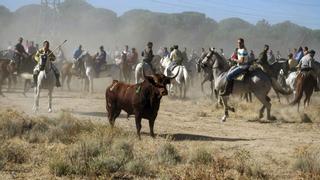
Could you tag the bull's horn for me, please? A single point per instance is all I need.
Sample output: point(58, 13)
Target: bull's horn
point(175, 75)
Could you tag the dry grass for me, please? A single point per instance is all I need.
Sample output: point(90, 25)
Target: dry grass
point(308, 162)
point(75, 148)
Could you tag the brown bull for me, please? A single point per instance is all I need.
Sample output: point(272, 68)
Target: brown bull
point(141, 100)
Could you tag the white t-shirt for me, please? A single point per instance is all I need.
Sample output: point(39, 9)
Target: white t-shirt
point(243, 53)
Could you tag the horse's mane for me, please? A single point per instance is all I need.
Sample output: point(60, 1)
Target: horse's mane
point(222, 61)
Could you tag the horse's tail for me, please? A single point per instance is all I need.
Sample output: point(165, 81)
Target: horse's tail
point(299, 89)
point(277, 87)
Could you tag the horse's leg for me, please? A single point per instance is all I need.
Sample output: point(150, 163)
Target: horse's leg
point(184, 90)
point(68, 81)
point(91, 84)
point(9, 83)
point(278, 96)
point(225, 106)
point(265, 100)
point(63, 78)
point(1, 82)
point(50, 100)
point(36, 99)
point(211, 87)
point(250, 97)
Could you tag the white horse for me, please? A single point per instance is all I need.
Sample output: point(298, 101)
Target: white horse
point(182, 78)
point(89, 64)
point(46, 80)
point(140, 68)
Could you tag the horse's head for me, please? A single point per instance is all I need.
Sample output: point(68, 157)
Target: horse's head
point(218, 62)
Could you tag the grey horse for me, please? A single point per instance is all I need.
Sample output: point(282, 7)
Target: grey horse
point(256, 82)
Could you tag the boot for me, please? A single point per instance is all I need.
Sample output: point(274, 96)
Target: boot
point(35, 79)
point(58, 84)
point(228, 89)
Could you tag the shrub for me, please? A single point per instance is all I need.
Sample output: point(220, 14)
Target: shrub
point(201, 156)
point(14, 152)
point(59, 168)
point(103, 165)
point(308, 162)
point(168, 154)
point(137, 167)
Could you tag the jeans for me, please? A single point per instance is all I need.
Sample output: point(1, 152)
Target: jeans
point(236, 72)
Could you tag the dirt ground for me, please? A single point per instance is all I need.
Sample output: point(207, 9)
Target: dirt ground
point(195, 122)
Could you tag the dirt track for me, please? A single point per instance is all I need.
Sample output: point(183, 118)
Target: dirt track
point(196, 122)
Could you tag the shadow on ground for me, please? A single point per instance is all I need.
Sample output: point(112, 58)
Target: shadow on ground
point(195, 137)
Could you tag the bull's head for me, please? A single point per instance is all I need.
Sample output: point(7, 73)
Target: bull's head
point(160, 82)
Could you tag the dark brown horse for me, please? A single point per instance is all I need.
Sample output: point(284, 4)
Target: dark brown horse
point(7, 70)
point(305, 83)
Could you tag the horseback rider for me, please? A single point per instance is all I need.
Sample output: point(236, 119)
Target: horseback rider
point(176, 58)
point(263, 60)
point(101, 59)
point(32, 49)
point(242, 66)
point(76, 56)
point(19, 53)
point(306, 64)
point(41, 53)
point(292, 63)
point(147, 54)
point(133, 59)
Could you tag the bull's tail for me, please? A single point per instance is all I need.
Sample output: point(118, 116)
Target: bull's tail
point(299, 90)
point(277, 87)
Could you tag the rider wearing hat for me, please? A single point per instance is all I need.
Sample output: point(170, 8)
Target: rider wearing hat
point(45, 52)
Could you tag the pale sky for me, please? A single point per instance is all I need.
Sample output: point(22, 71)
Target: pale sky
point(304, 13)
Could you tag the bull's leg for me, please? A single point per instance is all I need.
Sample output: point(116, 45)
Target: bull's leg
point(151, 125)
point(138, 125)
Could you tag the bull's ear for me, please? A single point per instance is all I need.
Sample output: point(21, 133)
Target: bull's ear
point(150, 79)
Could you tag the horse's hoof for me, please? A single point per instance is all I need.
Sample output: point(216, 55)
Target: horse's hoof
point(35, 110)
point(50, 110)
point(272, 118)
point(232, 109)
point(224, 118)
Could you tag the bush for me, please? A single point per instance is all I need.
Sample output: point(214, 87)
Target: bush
point(14, 152)
point(137, 167)
point(168, 154)
point(308, 162)
point(123, 150)
point(59, 168)
point(201, 156)
point(103, 165)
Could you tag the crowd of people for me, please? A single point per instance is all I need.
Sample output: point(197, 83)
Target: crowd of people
point(301, 58)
